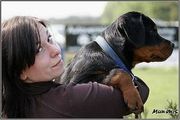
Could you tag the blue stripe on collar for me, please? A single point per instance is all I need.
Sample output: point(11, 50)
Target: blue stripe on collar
point(109, 51)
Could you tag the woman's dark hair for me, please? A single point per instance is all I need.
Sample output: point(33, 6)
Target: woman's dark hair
point(20, 41)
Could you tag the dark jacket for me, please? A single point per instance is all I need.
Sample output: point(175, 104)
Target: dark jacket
point(90, 100)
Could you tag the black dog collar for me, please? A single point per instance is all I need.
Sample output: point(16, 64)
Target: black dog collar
point(109, 51)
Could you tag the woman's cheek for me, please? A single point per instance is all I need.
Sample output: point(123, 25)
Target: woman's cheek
point(57, 72)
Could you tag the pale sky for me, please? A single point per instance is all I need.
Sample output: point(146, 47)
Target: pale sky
point(51, 9)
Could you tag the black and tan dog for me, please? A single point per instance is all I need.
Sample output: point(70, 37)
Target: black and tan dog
point(134, 38)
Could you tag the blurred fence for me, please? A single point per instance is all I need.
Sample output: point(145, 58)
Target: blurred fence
point(79, 35)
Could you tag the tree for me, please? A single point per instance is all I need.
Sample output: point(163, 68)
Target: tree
point(162, 10)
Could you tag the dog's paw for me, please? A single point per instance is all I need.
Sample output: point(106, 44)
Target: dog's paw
point(122, 80)
point(133, 100)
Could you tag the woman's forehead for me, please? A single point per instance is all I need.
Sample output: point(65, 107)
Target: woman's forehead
point(42, 28)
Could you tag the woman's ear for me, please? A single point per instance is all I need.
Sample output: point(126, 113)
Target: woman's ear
point(23, 75)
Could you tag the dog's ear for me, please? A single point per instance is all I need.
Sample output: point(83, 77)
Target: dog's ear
point(134, 30)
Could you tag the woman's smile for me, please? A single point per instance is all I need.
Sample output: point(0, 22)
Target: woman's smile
point(57, 64)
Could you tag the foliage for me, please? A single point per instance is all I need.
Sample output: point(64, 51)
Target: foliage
point(172, 106)
point(163, 10)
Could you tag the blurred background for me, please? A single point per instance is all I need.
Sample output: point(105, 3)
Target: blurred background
point(75, 24)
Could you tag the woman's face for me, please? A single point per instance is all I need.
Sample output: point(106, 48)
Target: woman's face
point(48, 61)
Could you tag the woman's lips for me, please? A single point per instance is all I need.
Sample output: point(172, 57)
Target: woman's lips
point(57, 63)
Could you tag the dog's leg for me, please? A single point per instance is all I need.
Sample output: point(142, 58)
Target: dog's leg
point(138, 116)
point(122, 80)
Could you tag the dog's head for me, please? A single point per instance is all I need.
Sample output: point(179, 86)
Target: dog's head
point(136, 36)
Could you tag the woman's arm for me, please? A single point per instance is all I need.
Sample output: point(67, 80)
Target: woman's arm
point(97, 100)
point(88, 100)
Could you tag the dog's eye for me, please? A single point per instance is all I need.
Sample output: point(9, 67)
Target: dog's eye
point(155, 28)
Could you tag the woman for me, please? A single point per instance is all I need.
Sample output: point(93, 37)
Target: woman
point(30, 62)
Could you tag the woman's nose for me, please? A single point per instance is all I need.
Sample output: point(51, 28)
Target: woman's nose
point(54, 50)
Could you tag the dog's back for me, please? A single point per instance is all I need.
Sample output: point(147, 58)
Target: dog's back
point(89, 64)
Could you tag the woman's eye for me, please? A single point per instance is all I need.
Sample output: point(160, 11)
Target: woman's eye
point(50, 39)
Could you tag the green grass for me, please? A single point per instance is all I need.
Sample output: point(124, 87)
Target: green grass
point(163, 84)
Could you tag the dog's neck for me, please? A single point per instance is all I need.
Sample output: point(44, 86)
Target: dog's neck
point(128, 54)
point(124, 53)
point(119, 58)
